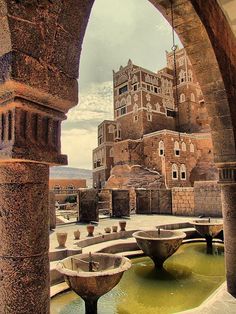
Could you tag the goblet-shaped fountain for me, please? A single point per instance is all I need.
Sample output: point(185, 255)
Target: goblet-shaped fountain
point(208, 228)
point(159, 244)
point(93, 275)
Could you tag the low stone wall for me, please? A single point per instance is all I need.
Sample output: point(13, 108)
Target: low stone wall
point(183, 201)
point(207, 198)
point(202, 199)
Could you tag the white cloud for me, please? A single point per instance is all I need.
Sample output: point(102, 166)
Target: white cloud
point(95, 103)
point(79, 132)
point(78, 145)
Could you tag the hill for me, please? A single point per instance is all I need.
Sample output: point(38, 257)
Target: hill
point(71, 173)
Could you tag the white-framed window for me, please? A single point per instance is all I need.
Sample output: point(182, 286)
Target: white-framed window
point(190, 75)
point(176, 148)
point(135, 118)
point(135, 108)
point(174, 172)
point(182, 98)
point(135, 87)
point(111, 128)
point(183, 147)
point(193, 98)
point(122, 111)
point(57, 187)
point(70, 187)
point(111, 153)
point(181, 61)
point(149, 116)
point(161, 148)
point(182, 76)
point(192, 149)
point(183, 175)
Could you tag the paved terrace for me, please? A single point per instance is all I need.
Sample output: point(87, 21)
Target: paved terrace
point(135, 222)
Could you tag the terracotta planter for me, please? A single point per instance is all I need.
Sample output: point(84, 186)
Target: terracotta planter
point(122, 224)
point(107, 230)
point(77, 234)
point(114, 228)
point(61, 238)
point(90, 229)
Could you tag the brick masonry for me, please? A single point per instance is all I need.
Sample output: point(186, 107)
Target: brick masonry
point(202, 199)
point(183, 201)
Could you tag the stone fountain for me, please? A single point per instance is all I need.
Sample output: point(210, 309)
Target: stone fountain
point(208, 228)
point(93, 275)
point(159, 244)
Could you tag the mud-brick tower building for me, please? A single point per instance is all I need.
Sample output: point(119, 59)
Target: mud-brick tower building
point(154, 131)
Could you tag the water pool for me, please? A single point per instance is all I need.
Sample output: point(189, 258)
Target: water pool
point(188, 278)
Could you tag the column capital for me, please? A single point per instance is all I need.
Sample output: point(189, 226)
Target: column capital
point(30, 130)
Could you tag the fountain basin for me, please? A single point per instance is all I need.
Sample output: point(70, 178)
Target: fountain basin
point(210, 227)
point(159, 244)
point(91, 284)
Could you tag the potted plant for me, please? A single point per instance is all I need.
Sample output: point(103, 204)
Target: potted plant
point(107, 230)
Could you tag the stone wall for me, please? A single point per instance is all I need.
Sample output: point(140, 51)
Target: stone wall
point(183, 201)
point(202, 199)
point(207, 197)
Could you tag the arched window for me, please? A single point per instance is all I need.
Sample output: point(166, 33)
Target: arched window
point(111, 128)
point(190, 75)
point(149, 107)
point(57, 188)
point(176, 148)
point(182, 98)
point(182, 76)
point(135, 108)
point(183, 147)
point(158, 107)
point(191, 148)
point(174, 172)
point(70, 187)
point(161, 148)
point(111, 154)
point(193, 97)
point(183, 172)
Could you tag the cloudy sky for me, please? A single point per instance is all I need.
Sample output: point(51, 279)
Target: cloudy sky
point(118, 30)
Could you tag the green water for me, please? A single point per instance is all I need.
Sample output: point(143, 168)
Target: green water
point(188, 278)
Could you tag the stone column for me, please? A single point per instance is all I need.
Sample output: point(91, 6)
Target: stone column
point(24, 262)
point(228, 194)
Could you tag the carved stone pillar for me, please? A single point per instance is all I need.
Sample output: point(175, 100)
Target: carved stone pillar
point(228, 193)
point(24, 262)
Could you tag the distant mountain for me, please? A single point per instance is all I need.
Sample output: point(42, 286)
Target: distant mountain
point(71, 173)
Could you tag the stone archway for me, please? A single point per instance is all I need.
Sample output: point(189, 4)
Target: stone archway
point(40, 45)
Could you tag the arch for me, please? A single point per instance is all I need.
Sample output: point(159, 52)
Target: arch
point(111, 152)
point(135, 108)
point(176, 148)
point(57, 187)
point(182, 97)
point(192, 148)
point(174, 169)
point(192, 97)
point(27, 62)
point(190, 75)
point(161, 148)
point(183, 147)
point(183, 172)
point(70, 187)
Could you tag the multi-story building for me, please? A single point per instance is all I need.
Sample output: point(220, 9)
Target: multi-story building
point(157, 125)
